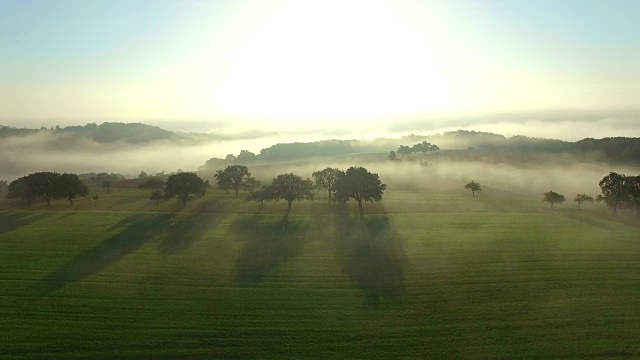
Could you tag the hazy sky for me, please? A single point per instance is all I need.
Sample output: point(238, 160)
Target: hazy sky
point(312, 64)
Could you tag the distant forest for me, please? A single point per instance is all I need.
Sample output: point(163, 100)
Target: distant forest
point(617, 149)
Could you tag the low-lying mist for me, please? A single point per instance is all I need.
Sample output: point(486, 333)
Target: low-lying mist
point(567, 178)
point(540, 172)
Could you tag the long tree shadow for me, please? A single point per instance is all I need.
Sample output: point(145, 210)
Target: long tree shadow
point(182, 231)
point(267, 247)
point(373, 255)
point(13, 220)
point(139, 229)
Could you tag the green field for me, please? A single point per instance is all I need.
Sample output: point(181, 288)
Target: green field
point(429, 275)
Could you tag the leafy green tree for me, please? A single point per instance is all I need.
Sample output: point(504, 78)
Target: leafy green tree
point(22, 188)
point(613, 191)
point(69, 186)
point(232, 177)
point(184, 185)
point(44, 184)
point(359, 184)
point(251, 184)
point(291, 188)
point(223, 180)
point(424, 147)
point(106, 184)
point(156, 195)
point(553, 197)
point(265, 193)
point(632, 189)
point(152, 183)
point(404, 150)
point(582, 198)
point(326, 179)
point(142, 175)
point(473, 186)
point(95, 198)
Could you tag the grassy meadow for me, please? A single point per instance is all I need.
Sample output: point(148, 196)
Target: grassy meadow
point(430, 274)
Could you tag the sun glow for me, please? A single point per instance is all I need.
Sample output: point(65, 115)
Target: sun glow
point(333, 61)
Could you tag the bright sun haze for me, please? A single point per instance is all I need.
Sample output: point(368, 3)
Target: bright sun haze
point(312, 64)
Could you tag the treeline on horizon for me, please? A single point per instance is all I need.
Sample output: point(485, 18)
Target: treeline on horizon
point(615, 149)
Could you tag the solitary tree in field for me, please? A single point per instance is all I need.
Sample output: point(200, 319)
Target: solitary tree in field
point(184, 185)
point(291, 188)
point(392, 156)
point(326, 179)
point(232, 177)
point(156, 195)
point(359, 184)
point(106, 184)
point(553, 197)
point(69, 186)
point(473, 186)
point(95, 198)
point(582, 198)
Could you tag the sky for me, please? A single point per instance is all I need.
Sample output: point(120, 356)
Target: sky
point(303, 65)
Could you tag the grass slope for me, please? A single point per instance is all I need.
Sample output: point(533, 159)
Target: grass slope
point(430, 275)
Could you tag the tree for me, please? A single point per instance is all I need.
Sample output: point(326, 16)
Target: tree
point(265, 193)
point(69, 186)
point(183, 185)
point(553, 198)
point(473, 186)
point(291, 187)
point(142, 175)
point(326, 179)
point(106, 184)
point(43, 184)
point(95, 198)
point(424, 147)
point(233, 177)
point(223, 181)
point(392, 156)
point(21, 188)
point(582, 198)
point(152, 183)
point(404, 150)
point(613, 191)
point(156, 195)
point(359, 184)
point(251, 184)
point(632, 190)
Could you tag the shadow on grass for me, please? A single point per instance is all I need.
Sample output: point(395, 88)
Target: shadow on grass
point(139, 230)
point(13, 220)
point(182, 231)
point(373, 255)
point(177, 231)
point(267, 247)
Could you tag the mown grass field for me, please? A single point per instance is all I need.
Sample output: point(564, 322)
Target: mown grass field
point(430, 275)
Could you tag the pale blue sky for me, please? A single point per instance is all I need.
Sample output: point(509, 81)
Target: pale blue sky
point(283, 62)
